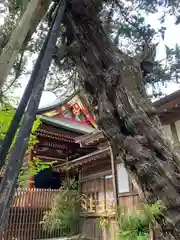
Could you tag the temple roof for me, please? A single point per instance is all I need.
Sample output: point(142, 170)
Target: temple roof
point(57, 103)
point(168, 108)
point(167, 99)
point(98, 154)
point(90, 139)
point(70, 114)
point(68, 125)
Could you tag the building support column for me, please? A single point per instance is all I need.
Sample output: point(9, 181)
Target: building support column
point(29, 157)
point(79, 180)
point(104, 189)
point(114, 176)
point(67, 171)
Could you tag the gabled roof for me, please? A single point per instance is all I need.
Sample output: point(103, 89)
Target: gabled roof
point(92, 138)
point(65, 124)
point(99, 154)
point(167, 99)
point(57, 103)
point(71, 114)
point(168, 108)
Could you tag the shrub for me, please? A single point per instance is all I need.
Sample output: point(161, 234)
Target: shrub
point(65, 211)
point(137, 225)
point(134, 225)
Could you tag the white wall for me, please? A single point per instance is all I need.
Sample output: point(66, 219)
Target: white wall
point(168, 131)
point(177, 124)
point(122, 177)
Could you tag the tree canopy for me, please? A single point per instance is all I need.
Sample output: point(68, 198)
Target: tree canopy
point(126, 25)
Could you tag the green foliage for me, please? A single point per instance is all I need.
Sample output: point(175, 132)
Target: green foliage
point(17, 6)
point(125, 24)
point(131, 225)
point(136, 225)
point(33, 140)
point(104, 223)
point(6, 115)
point(65, 211)
point(70, 184)
point(32, 167)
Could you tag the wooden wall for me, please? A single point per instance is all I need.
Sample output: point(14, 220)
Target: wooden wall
point(89, 228)
point(97, 185)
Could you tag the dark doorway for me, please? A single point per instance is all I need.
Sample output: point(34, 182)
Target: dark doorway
point(48, 179)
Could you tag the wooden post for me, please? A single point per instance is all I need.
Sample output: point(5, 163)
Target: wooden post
point(29, 157)
point(31, 184)
point(114, 176)
point(67, 171)
point(79, 181)
point(104, 182)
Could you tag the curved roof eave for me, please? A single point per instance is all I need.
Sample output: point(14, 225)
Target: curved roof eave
point(58, 103)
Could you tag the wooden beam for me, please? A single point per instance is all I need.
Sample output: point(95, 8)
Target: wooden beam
point(114, 176)
point(84, 159)
point(79, 181)
point(67, 172)
point(104, 188)
point(96, 175)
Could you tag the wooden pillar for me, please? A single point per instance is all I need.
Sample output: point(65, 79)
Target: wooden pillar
point(174, 134)
point(79, 181)
point(114, 176)
point(104, 186)
point(31, 179)
point(67, 171)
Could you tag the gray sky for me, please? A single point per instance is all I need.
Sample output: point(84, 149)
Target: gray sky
point(172, 37)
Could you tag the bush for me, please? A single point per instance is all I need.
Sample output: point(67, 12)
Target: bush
point(65, 211)
point(137, 225)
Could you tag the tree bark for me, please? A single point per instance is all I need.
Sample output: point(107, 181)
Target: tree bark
point(113, 83)
point(24, 30)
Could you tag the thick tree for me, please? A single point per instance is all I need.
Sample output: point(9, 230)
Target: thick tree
point(113, 82)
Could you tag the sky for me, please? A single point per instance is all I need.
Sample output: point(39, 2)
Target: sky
point(172, 36)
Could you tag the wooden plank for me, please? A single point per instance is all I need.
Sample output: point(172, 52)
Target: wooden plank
point(96, 175)
point(114, 176)
point(104, 188)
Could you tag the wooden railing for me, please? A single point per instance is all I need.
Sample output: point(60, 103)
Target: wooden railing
point(26, 214)
point(98, 206)
point(107, 205)
point(29, 206)
point(34, 197)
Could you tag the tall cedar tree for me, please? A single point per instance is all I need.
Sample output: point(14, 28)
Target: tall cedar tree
point(113, 82)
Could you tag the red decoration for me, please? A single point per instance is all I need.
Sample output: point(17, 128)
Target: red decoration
point(76, 106)
point(76, 112)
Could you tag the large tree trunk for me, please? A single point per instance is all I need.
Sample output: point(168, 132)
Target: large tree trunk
point(23, 32)
point(113, 82)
